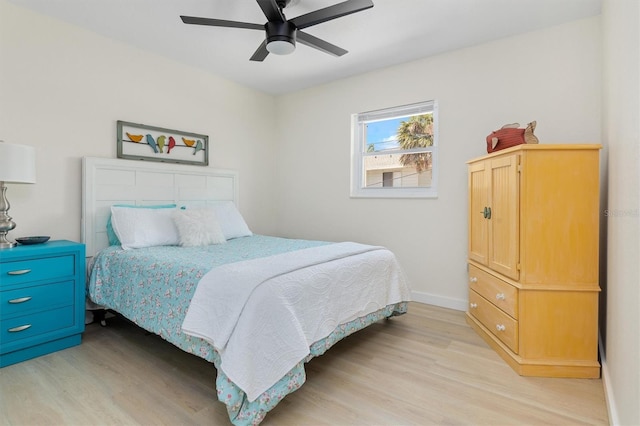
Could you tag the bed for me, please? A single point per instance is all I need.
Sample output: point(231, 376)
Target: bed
point(258, 307)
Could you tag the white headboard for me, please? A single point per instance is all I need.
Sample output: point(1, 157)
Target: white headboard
point(108, 181)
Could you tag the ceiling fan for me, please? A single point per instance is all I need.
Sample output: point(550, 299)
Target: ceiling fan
point(282, 33)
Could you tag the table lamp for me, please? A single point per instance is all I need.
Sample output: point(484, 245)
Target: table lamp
point(17, 165)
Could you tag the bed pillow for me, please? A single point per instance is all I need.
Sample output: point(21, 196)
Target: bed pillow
point(140, 227)
point(111, 235)
point(231, 221)
point(198, 227)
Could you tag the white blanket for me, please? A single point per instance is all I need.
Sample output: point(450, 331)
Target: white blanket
point(262, 315)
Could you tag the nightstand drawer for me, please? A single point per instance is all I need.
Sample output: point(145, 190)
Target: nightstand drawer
point(19, 328)
point(498, 292)
point(37, 269)
point(500, 324)
point(26, 300)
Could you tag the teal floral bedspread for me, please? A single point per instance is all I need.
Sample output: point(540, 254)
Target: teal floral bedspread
point(153, 288)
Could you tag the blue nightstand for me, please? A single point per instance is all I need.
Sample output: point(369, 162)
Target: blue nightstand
point(42, 299)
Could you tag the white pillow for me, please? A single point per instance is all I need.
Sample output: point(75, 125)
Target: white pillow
point(138, 228)
point(231, 221)
point(198, 227)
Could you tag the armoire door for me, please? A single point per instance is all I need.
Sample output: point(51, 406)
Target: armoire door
point(478, 208)
point(503, 223)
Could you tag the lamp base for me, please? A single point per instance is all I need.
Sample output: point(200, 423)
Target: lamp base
point(4, 243)
point(7, 244)
point(6, 224)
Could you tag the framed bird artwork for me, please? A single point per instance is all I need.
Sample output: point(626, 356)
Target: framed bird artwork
point(151, 143)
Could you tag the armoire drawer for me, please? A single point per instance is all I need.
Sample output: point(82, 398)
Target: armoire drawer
point(500, 324)
point(500, 293)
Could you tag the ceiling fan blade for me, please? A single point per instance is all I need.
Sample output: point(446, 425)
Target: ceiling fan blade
point(271, 10)
point(316, 43)
point(332, 12)
point(220, 23)
point(260, 53)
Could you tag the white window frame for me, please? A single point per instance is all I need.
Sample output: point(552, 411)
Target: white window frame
point(359, 148)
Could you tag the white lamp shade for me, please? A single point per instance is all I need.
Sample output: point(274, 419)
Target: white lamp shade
point(17, 163)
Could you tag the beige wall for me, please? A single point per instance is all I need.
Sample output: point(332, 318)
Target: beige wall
point(552, 76)
point(62, 90)
point(621, 134)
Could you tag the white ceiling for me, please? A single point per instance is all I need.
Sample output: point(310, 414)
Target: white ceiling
point(392, 32)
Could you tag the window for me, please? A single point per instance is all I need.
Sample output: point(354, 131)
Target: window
point(387, 179)
point(394, 152)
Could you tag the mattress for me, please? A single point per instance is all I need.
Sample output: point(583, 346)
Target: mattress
point(153, 287)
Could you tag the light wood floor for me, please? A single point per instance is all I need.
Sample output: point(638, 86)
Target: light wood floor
point(424, 368)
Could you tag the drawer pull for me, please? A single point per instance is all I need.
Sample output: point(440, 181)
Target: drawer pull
point(20, 300)
point(20, 328)
point(500, 296)
point(473, 279)
point(19, 272)
point(500, 327)
point(473, 305)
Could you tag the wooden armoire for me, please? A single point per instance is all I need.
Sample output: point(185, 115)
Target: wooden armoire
point(533, 257)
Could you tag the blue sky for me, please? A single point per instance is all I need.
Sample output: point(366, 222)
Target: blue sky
point(383, 133)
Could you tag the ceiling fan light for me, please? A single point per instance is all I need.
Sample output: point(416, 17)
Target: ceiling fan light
point(280, 47)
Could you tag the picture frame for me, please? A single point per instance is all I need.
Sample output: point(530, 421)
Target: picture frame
point(151, 143)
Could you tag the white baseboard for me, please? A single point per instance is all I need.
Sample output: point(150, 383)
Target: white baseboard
point(443, 302)
point(608, 393)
